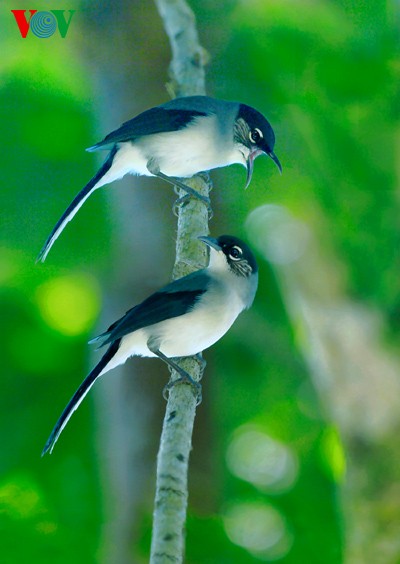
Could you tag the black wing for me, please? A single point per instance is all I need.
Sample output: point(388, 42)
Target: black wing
point(155, 120)
point(173, 300)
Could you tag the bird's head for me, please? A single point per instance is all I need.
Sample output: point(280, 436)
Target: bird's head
point(253, 136)
point(231, 254)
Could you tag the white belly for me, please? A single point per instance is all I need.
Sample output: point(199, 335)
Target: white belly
point(186, 335)
point(193, 149)
point(178, 154)
point(193, 332)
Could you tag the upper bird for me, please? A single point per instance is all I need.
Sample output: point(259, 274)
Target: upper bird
point(176, 140)
point(182, 319)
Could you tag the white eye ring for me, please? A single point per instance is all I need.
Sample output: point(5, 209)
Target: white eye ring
point(240, 253)
point(260, 135)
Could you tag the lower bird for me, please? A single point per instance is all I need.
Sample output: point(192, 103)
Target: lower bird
point(178, 139)
point(182, 319)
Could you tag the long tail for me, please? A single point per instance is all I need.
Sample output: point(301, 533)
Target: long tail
point(76, 203)
point(78, 396)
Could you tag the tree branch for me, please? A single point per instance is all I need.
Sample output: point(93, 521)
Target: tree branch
point(188, 56)
point(188, 78)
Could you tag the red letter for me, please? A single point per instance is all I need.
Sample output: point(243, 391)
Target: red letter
point(22, 24)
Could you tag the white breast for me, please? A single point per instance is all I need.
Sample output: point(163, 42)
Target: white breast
point(196, 331)
point(188, 334)
point(196, 148)
point(199, 147)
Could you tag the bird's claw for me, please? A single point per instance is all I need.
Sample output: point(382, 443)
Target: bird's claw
point(154, 169)
point(201, 362)
point(185, 199)
point(184, 379)
point(180, 202)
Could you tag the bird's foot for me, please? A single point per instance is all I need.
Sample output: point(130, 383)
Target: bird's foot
point(201, 361)
point(180, 203)
point(154, 169)
point(184, 378)
point(191, 193)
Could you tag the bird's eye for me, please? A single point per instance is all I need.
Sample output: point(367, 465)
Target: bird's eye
point(255, 135)
point(235, 253)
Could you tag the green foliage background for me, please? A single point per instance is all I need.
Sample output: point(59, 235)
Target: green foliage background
point(326, 74)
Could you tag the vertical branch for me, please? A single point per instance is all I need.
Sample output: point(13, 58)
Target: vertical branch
point(188, 56)
point(187, 75)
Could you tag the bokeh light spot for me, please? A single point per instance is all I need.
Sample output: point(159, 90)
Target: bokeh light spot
point(19, 499)
point(259, 459)
point(69, 304)
point(279, 236)
point(259, 528)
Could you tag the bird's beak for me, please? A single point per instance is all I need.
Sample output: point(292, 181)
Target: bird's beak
point(252, 157)
point(250, 166)
point(210, 242)
point(272, 156)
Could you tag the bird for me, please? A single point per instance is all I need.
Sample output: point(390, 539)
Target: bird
point(177, 139)
point(181, 319)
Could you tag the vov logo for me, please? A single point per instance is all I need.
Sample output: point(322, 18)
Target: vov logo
point(43, 24)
